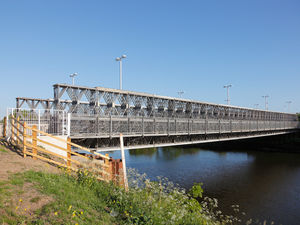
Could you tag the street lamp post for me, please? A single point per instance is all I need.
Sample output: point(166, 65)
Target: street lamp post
point(228, 98)
point(266, 101)
point(73, 77)
point(120, 60)
point(180, 93)
point(289, 105)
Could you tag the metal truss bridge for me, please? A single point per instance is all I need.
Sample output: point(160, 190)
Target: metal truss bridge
point(96, 116)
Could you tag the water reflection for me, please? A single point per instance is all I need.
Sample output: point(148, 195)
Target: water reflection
point(265, 184)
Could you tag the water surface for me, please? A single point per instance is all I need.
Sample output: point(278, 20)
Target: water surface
point(266, 185)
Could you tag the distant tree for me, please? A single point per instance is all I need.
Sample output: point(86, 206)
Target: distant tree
point(298, 114)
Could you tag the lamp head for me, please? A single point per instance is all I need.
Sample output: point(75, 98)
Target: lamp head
point(123, 56)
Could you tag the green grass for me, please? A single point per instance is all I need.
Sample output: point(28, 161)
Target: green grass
point(3, 150)
point(82, 199)
point(35, 199)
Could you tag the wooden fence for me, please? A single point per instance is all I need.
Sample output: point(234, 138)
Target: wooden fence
point(29, 140)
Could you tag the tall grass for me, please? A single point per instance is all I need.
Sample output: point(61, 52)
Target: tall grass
point(84, 200)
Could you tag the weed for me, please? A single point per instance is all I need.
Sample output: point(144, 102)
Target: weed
point(35, 199)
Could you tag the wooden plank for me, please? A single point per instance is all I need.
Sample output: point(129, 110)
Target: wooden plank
point(51, 161)
point(18, 130)
point(52, 153)
point(22, 124)
point(19, 138)
point(62, 140)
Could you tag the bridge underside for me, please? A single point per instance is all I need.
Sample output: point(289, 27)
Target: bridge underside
point(149, 141)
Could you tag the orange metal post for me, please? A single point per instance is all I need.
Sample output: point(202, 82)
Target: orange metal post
point(34, 141)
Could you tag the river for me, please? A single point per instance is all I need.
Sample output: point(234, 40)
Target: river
point(266, 185)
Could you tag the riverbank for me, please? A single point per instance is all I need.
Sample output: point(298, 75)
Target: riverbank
point(36, 193)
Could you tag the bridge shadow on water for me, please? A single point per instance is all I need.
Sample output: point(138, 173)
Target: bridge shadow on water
point(261, 175)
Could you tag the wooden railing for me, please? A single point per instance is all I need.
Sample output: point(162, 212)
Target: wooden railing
point(27, 138)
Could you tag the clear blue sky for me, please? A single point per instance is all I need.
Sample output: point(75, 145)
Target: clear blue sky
point(193, 46)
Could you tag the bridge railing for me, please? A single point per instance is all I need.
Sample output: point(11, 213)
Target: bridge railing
point(145, 126)
point(50, 121)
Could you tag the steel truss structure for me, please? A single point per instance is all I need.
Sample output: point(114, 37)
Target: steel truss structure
point(98, 115)
point(105, 102)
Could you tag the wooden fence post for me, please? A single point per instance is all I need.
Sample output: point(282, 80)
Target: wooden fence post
point(34, 141)
point(69, 153)
point(24, 139)
point(4, 126)
point(18, 128)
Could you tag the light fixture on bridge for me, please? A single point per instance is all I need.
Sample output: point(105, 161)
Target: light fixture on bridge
point(228, 98)
point(266, 101)
point(120, 60)
point(73, 77)
point(180, 93)
point(289, 105)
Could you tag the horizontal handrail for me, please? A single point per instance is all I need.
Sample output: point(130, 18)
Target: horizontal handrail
point(51, 161)
point(68, 142)
point(52, 153)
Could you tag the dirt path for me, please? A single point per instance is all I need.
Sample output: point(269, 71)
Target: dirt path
point(20, 200)
point(12, 161)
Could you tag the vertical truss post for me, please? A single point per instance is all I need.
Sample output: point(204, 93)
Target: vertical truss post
point(128, 125)
point(168, 128)
point(143, 126)
point(206, 125)
point(110, 126)
point(97, 125)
